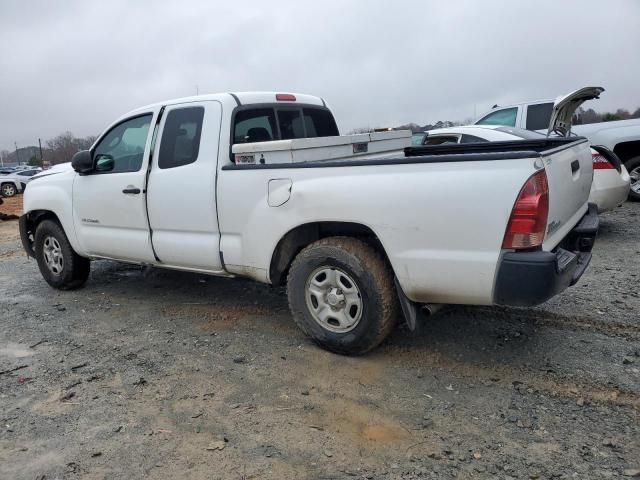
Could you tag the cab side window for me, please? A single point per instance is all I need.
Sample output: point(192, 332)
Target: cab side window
point(122, 148)
point(539, 116)
point(180, 142)
point(506, 116)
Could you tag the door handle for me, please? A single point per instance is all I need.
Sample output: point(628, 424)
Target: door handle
point(134, 191)
point(575, 166)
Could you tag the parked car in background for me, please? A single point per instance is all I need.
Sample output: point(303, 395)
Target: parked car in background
point(9, 186)
point(622, 137)
point(611, 181)
point(17, 181)
point(270, 191)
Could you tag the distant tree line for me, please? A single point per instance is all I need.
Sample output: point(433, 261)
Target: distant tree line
point(56, 150)
point(591, 116)
point(60, 149)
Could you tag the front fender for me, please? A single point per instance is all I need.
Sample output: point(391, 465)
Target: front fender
point(53, 194)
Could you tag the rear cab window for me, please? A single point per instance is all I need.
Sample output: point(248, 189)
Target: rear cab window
point(255, 125)
point(264, 123)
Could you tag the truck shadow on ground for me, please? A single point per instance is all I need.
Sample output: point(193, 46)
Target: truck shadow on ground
point(516, 337)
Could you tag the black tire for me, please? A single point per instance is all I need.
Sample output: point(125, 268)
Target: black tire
point(75, 269)
point(631, 165)
point(373, 279)
point(8, 189)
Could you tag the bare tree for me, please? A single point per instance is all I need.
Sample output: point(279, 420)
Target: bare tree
point(60, 149)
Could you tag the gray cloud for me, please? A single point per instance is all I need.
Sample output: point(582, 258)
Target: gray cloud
point(78, 65)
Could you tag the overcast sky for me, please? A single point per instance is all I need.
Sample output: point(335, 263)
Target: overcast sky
point(77, 65)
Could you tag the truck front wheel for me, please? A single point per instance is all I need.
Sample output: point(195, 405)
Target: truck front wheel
point(341, 294)
point(59, 264)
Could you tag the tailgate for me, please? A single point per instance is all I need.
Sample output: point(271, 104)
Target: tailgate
point(569, 174)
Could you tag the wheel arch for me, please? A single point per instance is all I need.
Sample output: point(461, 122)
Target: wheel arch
point(299, 237)
point(627, 150)
point(28, 224)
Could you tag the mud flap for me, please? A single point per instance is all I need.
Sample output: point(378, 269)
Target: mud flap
point(411, 310)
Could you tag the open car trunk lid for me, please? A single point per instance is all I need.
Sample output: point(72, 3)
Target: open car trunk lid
point(565, 106)
point(569, 170)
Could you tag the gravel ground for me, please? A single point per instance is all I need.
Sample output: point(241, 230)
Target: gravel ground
point(170, 375)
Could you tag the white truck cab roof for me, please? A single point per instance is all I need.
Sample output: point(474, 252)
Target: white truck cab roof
point(236, 98)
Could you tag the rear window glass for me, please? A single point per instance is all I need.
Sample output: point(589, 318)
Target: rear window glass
point(440, 140)
point(263, 124)
point(290, 123)
point(538, 116)
point(181, 137)
point(506, 116)
point(319, 123)
point(255, 125)
point(471, 139)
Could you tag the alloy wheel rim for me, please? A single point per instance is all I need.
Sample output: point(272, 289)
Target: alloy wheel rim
point(53, 255)
point(634, 175)
point(333, 299)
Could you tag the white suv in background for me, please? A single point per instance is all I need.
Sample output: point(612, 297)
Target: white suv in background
point(17, 181)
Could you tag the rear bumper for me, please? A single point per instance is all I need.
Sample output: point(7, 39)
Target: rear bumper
point(609, 188)
point(529, 278)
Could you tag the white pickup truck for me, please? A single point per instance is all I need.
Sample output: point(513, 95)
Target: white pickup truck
point(622, 137)
point(193, 184)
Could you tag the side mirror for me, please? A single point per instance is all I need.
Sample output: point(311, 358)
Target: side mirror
point(82, 162)
point(104, 163)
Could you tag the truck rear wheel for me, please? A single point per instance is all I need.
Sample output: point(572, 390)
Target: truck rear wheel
point(8, 189)
point(633, 165)
point(59, 264)
point(341, 294)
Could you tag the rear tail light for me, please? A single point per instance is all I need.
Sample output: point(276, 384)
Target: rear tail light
point(285, 97)
point(601, 163)
point(528, 219)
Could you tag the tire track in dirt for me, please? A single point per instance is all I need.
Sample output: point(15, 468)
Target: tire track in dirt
point(563, 322)
point(522, 379)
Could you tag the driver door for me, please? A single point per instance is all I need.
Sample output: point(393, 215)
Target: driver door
point(109, 207)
